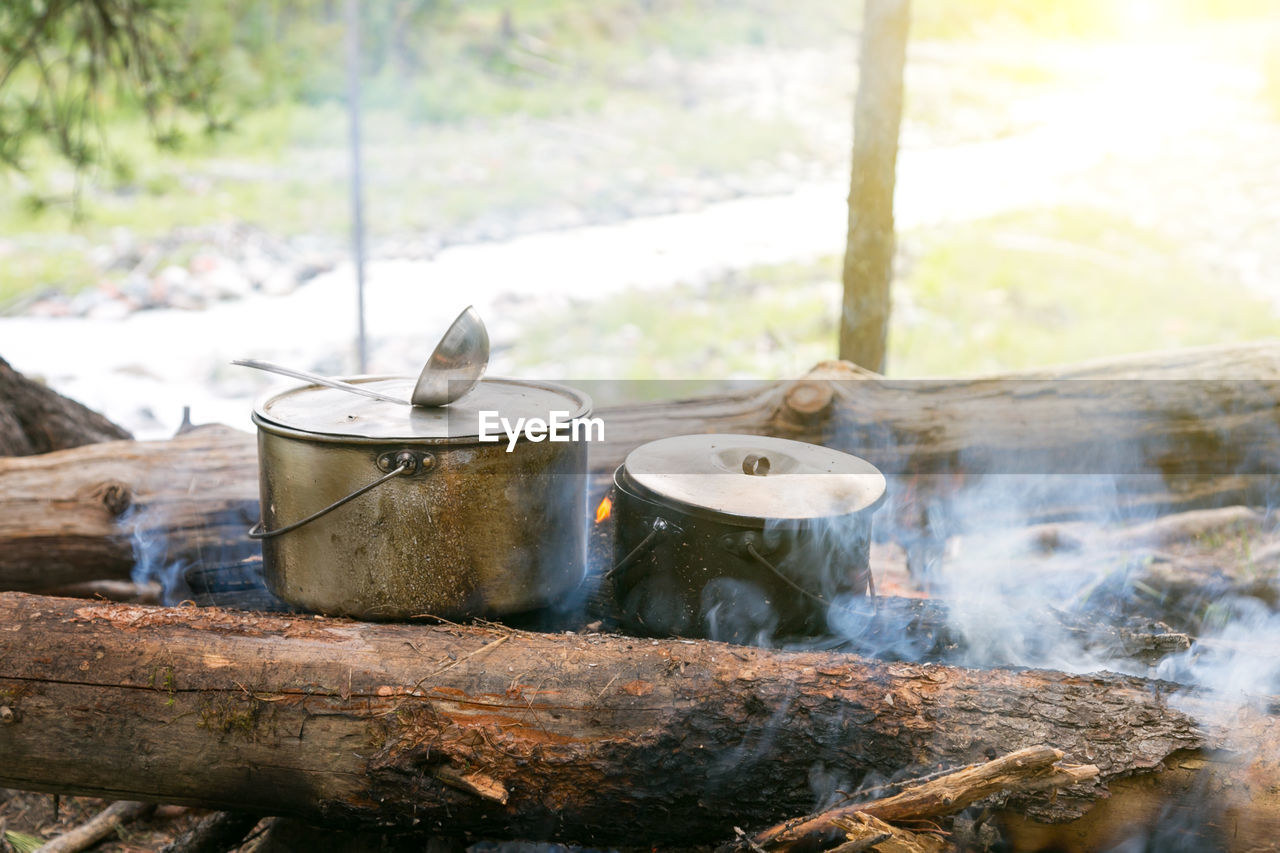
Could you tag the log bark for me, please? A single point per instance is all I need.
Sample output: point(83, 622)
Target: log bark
point(92, 512)
point(63, 515)
point(500, 733)
point(37, 419)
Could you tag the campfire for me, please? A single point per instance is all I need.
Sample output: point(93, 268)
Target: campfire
point(1067, 644)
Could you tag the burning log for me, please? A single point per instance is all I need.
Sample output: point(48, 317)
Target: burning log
point(37, 419)
point(501, 733)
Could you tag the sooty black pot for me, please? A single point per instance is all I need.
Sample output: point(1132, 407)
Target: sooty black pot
point(745, 539)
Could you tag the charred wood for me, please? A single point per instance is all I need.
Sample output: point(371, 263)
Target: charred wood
point(113, 590)
point(287, 835)
point(215, 833)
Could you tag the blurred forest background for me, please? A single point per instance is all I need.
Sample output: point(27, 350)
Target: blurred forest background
point(1077, 178)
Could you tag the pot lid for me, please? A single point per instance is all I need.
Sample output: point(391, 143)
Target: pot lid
point(755, 476)
point(332, 412)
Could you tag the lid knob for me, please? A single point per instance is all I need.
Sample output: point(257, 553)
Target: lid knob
point(756, 466)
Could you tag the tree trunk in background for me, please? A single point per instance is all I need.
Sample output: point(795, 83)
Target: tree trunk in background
point(868, 260)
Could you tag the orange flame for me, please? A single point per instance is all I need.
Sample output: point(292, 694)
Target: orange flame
point(603, 511)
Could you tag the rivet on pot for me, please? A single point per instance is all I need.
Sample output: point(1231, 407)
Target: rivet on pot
point(414, 462)
point(406, 460)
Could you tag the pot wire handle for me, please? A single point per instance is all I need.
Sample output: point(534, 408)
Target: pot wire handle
point(760, 558)
point(660, 527)
point(407, 465)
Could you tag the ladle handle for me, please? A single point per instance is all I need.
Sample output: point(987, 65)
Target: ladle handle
point(318, 379)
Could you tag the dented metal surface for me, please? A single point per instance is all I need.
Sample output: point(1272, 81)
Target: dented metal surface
point(469, 530)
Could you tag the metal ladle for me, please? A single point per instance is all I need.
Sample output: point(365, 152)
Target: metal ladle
point(454, 368)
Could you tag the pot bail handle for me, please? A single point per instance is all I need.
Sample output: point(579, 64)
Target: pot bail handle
point(406, 463)
point(750, 547)
point(661, 527)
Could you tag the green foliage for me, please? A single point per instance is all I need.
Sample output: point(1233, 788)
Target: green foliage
point(21, 842)
point(78, 77)
point(68, 63)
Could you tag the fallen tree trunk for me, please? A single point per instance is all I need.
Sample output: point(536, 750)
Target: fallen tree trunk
point(1203, 444)
point(93, 512)
point(36, 419)
point(507, 734)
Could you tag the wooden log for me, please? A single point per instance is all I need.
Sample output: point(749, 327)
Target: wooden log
point(1033, 768)
point(1222, 404)
point(61, 513)
point(36, 419)
point(1223, 799)
point(98, 827)
point(864, 832)
point(79, 515)
point(501, 733)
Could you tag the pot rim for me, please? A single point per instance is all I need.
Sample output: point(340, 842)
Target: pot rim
point(266, 424)
point(627, 485)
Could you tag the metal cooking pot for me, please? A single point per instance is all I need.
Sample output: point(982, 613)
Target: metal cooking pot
point(382, 511)
point(740, 538)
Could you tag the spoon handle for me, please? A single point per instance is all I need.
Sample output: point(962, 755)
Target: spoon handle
point(318, 379)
